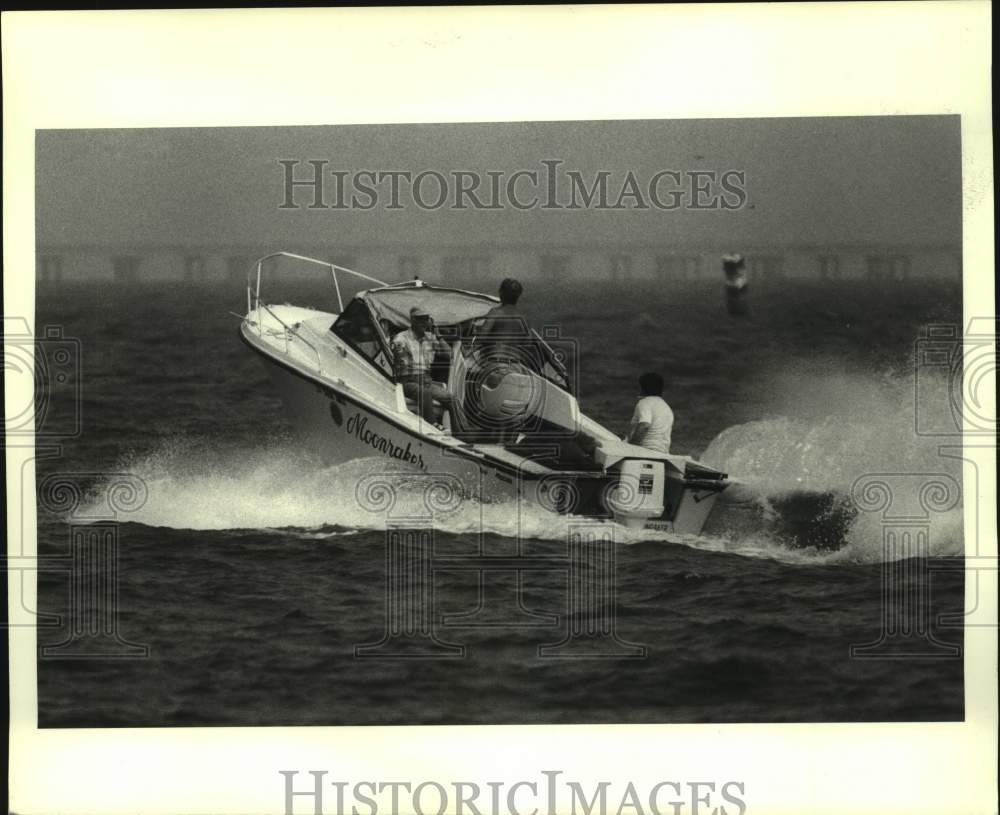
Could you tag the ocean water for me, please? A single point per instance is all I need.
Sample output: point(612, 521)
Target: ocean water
point(250, 577)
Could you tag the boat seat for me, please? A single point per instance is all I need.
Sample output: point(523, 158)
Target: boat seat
point(413, 407)
point(411, 404)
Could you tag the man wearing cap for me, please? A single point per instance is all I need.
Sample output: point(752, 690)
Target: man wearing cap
point(413, 353)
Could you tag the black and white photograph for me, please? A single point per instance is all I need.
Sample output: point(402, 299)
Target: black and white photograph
point(651, 420)
point(587, 422)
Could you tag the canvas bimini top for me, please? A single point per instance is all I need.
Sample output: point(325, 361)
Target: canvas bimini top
point(445, 305)
point(374, 316)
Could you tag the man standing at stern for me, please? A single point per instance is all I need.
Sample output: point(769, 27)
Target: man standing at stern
point(653, 420)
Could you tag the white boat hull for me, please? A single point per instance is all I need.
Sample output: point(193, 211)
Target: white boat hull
point(334, 373)
point(341, 428)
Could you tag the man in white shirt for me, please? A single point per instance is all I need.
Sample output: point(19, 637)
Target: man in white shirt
point(413, 353)
point(653, 420)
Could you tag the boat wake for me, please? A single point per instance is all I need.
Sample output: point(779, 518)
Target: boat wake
point(793, 504)
point(802, 474)
point(189, 485)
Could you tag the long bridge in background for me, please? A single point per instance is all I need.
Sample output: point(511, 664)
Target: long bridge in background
point(471, 264)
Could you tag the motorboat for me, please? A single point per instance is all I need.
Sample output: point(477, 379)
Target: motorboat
point(513, 430)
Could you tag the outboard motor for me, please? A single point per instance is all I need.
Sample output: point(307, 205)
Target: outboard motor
point(637, 494)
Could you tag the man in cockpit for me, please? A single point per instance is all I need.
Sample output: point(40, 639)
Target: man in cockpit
point(504, 336)
point(506, 352)
point(413, 352)
point(504, 331)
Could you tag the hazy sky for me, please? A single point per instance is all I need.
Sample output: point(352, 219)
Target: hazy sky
point(893, 180)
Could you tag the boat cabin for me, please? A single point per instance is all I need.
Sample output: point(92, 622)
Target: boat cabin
point(371, 320)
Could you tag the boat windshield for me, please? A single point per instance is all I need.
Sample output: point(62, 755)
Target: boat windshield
point(454, 310)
